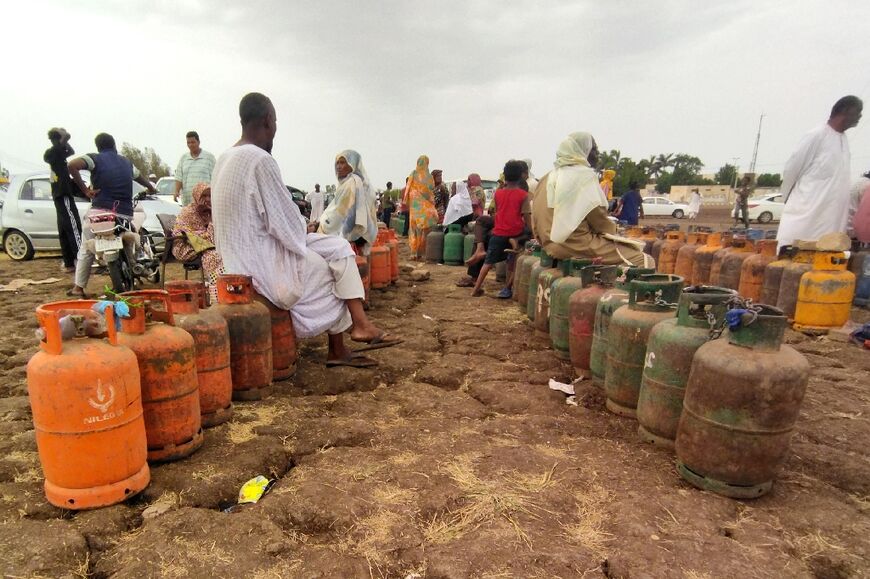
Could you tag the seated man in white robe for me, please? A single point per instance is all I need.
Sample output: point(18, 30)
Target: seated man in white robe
point(260, 232)
point(816, 179)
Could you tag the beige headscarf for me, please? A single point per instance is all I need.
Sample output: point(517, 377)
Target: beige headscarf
point(572, 187)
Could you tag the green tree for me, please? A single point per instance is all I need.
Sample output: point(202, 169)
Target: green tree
point(148, 162)
point(609, 160)
point(769, 180)
point(726, 175)
point(627, 172)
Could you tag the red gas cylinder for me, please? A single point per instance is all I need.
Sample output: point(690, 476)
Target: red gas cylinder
point(362, 263)
point(596, 280)
point(250, 329)
point(87, 412)
point(753, 272)
point(685, 263)
point(393, 244)
point(284, 353)
point(718, 256)
point(380, 260)
point(212, 339)
point(167, 367)
point(732, 264)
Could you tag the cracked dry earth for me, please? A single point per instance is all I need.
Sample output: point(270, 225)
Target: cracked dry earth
point(451, 459)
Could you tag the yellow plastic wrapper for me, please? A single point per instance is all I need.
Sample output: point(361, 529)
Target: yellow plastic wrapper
point(254, 489)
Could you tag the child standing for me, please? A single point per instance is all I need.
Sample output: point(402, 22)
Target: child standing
point(512, 222)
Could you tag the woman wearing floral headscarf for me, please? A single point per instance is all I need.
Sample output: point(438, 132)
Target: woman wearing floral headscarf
point(418, 196)
point(352, 213)
point(194, 231)
point(569, 212)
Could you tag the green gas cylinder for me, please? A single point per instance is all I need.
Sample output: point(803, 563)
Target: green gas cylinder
point(467, 246)
point(543, 264)
point(671, 346)
point(523, 271)
point(651, 299)
point(453, 241)
point(542, 296)
point(611, 300)
point(561, 291)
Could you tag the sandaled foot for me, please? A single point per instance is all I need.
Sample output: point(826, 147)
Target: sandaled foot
point(352, 361)
point(505, 294)
point(77, 292)
point(477, 293)
point(384, 340)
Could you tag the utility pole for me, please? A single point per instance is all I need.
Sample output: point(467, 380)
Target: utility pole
point(736, 169)
point(755, 152)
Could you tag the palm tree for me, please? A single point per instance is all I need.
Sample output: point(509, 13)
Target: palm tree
point(665, 161)
point(609, 160)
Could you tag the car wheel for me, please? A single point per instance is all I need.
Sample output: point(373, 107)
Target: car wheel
point(765, 217)
point(18, 246)
point(678, 214)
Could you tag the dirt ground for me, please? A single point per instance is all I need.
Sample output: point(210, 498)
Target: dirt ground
point(451, 459)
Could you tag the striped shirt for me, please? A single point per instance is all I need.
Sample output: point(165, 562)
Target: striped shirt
point(193, 170)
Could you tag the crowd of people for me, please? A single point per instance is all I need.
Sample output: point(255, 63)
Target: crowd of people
point(238, 217)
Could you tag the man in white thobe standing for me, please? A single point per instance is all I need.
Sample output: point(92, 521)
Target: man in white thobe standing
point(315, 198)
point(816, 181)
point(260, 232)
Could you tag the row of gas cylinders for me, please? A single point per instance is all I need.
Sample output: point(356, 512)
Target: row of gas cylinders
point(813, 288)
point(380, 267)
point(102, 409)
point(726, 405)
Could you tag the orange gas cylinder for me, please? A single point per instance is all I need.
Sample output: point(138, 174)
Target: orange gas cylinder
point(686, 256)
point(718, 256)
point(633, 232)
point(250, 327)
point(752, 274)
point(362, 263)
point(212, 339)
point(790, 281)
point(825, 294)
point(732, 263)
point(167, 367)
point(773, 275)
point(87, 412)
point(380, 260)
point(674, 240)
point(393, 244)
point(703, 258)
point(284, 353)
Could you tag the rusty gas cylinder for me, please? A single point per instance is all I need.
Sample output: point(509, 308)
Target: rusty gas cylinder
point(611, 300)
point(789, 284)
point(212, 340)
point(667, 261)
point(719, 255)
point(582, 305)
point(752, 274)
point(742, 400)
point(651, 299)
point(522, 258)
point(284, 352)
point(543, 295)
point(543, 264)
point(773, 276)
point(167, 367)
point(825, 294)
point(250, 327)
point(671, 346)
point(703, 258)
point(86, 403)
point(560, 295)
point(522, 273)
point(686, 255)
point(732, 262)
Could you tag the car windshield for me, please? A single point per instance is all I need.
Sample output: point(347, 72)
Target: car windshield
point(166, 187)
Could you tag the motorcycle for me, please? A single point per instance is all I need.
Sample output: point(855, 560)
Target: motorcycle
point(128, 255)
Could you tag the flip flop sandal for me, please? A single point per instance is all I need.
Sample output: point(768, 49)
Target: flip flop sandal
point(477, 293)
point(465, 282)
point(74, 294)
point(379, 342)
point(352, 362)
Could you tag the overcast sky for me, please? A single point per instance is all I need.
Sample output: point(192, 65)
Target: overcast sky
point(470, 83)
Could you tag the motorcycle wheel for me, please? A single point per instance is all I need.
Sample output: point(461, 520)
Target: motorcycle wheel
point(121, 274)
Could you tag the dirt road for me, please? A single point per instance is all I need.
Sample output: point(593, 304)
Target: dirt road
point(451, 459)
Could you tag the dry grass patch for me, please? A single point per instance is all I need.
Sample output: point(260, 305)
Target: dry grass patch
point(813, 544)
point(255, 415)
point(388, 494)
point(28, 475)
point(588, 529)
point(404, 459)
point(505, 496)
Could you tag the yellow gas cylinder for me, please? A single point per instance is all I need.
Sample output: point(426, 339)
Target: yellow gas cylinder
point(825, 294)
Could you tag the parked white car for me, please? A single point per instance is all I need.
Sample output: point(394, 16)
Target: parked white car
point(764, 209)
point(28, 221)
point(166, 189)
point(663, 207)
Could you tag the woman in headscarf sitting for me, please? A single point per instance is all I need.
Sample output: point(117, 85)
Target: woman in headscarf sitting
point(195, 236)
point(418, 197)
point(459, 209)
point(569, 213)
point(352, 213)
point(478, 195)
